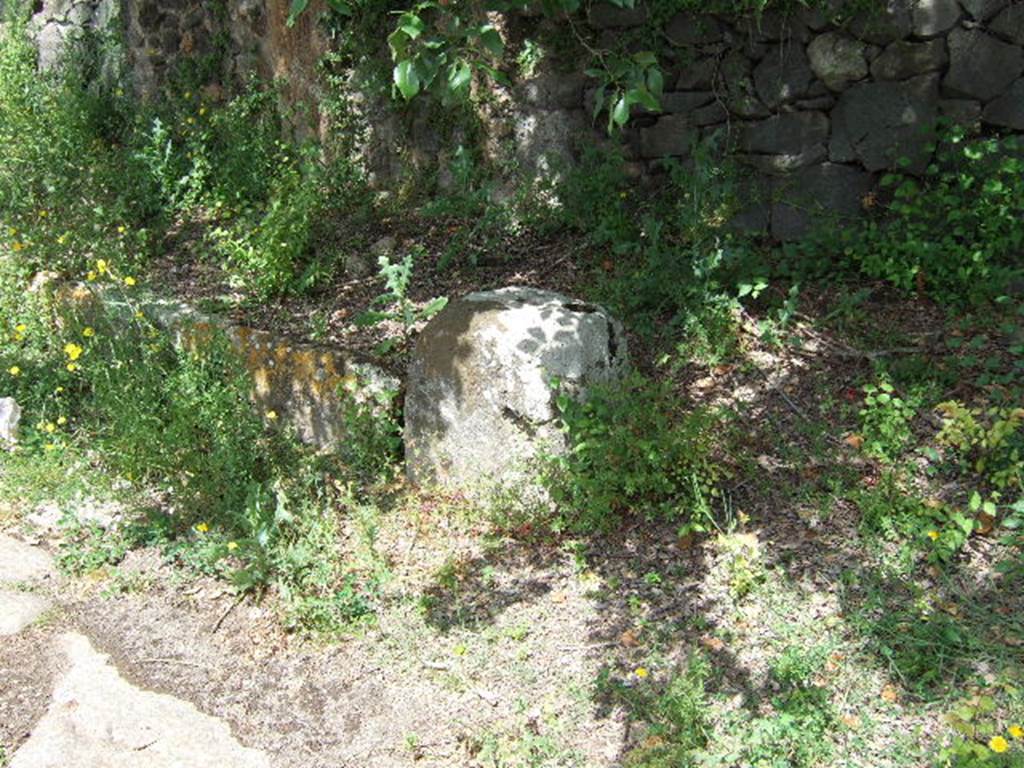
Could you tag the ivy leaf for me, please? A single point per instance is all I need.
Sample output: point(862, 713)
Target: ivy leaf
point(297, 7)
point(406, 79)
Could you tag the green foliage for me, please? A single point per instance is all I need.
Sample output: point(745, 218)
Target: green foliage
point(988, 442)
point(676, 713)
point(373, 444)
point(395, 303)
point(953, 233)
point(631, 450)
point(886, 420)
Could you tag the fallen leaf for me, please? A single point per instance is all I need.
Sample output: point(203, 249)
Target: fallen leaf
point(951, 608)
point(559, 596)
point(852, 722)
point(854, 441)
point(629, 638)
point(985, 524)
point(890, 694)
point(713, 644)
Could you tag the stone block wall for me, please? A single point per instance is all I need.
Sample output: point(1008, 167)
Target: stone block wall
point(814, 110)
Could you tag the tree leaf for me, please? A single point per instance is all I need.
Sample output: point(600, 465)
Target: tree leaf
point(620, 113)
point(406, 79)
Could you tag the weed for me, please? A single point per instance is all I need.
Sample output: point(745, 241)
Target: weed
point(630, 450)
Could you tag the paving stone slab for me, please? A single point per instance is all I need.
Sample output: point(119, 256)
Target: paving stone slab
point(18, 610)
point(99, 720)
point(22, 562)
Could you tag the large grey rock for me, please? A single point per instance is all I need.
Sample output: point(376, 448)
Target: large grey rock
point(980, 65)
point(879, 123)
point(19, 609)
point(1007, 111)
point(789, 133)
point(544, 140)
point(933, 17)
point(837, 60)
point(685, 102)
point(10, 418)
point(820, 195)
point(670, 136)
point(479, 404)
point(20, 562)
point(1010, 23)
point(697, 75)
point(902, 60)
point(554, 90)
point(99, 720)
point(784, 75)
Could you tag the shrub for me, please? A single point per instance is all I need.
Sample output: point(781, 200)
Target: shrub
point(631, 451)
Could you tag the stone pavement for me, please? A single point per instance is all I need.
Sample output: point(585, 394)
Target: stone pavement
point(96, 719)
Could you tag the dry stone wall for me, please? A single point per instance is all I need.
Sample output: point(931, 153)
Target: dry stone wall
point(815, 111)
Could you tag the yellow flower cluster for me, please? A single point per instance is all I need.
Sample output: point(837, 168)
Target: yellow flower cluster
point(999, 744)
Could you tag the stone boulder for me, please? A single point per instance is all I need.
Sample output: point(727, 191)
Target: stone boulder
point(480, 402)
point(981, 66)
point(10, 417)
point(837, 60)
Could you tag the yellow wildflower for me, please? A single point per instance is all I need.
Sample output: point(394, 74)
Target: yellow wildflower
point(202, 528)
point(50, 447)
point(933, 535)
point(73, 351)
point(58, 390)
point(1016, 731)
point(101, 266)
point(121, 230)
point(272, 415)
point(62, 421)
point(50, 428)
point(129, 281)
point(88, 333)
point(43, 214)
point(62, 239)
point(21, 328)
point(14, 370)
point(90, 275)
point(998, 744)
point(138, 314)
point(19, 246)
point(202, 111)
point(232, 546)
point(73, 367)
point(641, 672)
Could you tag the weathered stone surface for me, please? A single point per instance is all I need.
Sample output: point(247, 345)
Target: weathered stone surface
point(790, 133)
point(671, 136)
point(902, 60)
point(554, 90)
point(685, 102)
point(52, 42)
point(544, 140)
point(19, 609)
point(893, 22)
point(784, 75)
point(781, 165)
point(837, 60)
point(734, 78)
point(20, 562)
point(1007, 111)
point(608, 16)
point(10, 418)
point(878, 123)
point(980, 65)
point(299, 383)
point(1010, 23)
point(981, 10)
point(479, 403)
point(933, 17)
point(98, 719)
point(697, 76)
point(688, 29)
point(961, 111)
point(817, 195)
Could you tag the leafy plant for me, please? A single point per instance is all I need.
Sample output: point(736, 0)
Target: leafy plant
point(886, 421)
point(395, 302)
point(631, 451)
